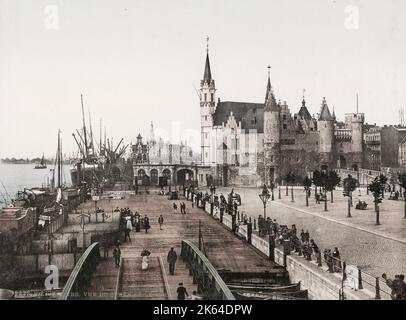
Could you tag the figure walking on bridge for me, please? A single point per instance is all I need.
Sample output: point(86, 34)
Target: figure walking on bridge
point(171, 259)
point(146, 224)
point(160, 221)
point(182, 293)
point(117, 255)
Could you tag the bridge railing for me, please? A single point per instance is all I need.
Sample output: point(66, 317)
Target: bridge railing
point(210, 284)
point(79, 280)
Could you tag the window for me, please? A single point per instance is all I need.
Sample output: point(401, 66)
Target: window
point(284, 117)
point(285, 126)
point(212, 97)
point(205, 118)
point(206, 155)
point(205, 135)
point(271, 158)
point(205, 97)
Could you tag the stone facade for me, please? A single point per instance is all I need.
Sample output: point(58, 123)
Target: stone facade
point(256, 143)
point(159, 163)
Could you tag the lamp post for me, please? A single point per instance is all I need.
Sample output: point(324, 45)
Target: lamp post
point(264, 196)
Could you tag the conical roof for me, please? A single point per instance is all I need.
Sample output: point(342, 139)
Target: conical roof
point(325, 114)
point(207, 71)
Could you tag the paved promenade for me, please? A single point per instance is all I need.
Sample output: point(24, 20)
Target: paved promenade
point(223, 249)
point(375, 249)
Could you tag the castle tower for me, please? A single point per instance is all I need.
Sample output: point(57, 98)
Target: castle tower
point(207, 108)
point(325, 126)
point(271, 135)
point(357, 123)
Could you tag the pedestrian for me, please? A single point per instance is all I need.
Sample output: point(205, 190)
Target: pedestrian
point(171, 259)
point(307, 236)
point(402, 288)
point(146, 224)
point(145, 259)
point(314, 247)
point(182, 293)
point(175, 208)
point(160, 221)
point(117, 255)
point(184, 208)
point(336, 260)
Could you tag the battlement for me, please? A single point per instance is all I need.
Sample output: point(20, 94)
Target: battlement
point(354, 117)
point(343, 134)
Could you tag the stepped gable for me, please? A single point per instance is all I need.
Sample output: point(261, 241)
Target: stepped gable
point(251, 115)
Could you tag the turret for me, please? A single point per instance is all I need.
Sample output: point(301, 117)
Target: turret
point(207, 108)
point(271, 135)
point(325, 125)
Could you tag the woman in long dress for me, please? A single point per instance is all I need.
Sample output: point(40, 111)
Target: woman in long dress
point(145, 259)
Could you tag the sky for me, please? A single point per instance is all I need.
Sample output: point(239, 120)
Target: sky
point(142, 61)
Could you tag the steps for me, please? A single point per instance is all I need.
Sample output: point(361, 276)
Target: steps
point(138, 284)
point(103, 282)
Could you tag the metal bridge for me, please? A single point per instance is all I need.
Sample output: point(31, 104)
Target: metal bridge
point(225, 257)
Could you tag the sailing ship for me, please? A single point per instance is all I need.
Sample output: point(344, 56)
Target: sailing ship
point(42, 164)
point(95, 169)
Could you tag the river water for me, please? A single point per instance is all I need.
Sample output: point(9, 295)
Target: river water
point(16, 177)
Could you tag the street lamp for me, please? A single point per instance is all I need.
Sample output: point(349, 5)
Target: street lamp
point(264, 196)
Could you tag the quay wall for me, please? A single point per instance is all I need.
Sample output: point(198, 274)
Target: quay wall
point(321, 285)
point(37, 263)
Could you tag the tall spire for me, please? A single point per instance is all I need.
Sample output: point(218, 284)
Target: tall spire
point(207, 71)
point(268, 86)
point(325, 114)
point(303, 100)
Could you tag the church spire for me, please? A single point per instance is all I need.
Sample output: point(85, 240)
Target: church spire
point(207, 71)
point(303, 100)
point(270, 102)
point(268, 86)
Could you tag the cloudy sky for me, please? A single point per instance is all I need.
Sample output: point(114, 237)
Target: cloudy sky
point(137, 61)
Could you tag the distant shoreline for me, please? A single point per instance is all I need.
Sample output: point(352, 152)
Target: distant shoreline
point(33, 162)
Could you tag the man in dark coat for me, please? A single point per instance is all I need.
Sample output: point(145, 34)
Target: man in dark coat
point(146, 223)
point(182, 293)
point(171, 259)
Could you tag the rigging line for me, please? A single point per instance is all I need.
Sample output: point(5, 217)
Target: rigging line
point(6, 190)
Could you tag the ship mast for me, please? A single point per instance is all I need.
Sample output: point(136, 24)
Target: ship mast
point(58, 159)
point(84, 126)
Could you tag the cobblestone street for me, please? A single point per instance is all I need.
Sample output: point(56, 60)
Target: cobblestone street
point(373, 253)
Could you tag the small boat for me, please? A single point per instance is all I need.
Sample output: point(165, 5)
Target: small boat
point(265, 287)
point(295, 295)
point(42, 164)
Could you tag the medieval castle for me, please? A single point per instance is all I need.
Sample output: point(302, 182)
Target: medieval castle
point(254, 143)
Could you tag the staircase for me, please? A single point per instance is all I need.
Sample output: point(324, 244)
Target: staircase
point(138, 284)
point(103, 282)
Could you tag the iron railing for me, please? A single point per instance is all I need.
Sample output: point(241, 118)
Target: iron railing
point(209, 282)
point(79, 280)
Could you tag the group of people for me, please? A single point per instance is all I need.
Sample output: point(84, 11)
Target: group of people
point(333, 260)
point(182, 207)
point(130, 220)
point(301, 244)
point(397, 285)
